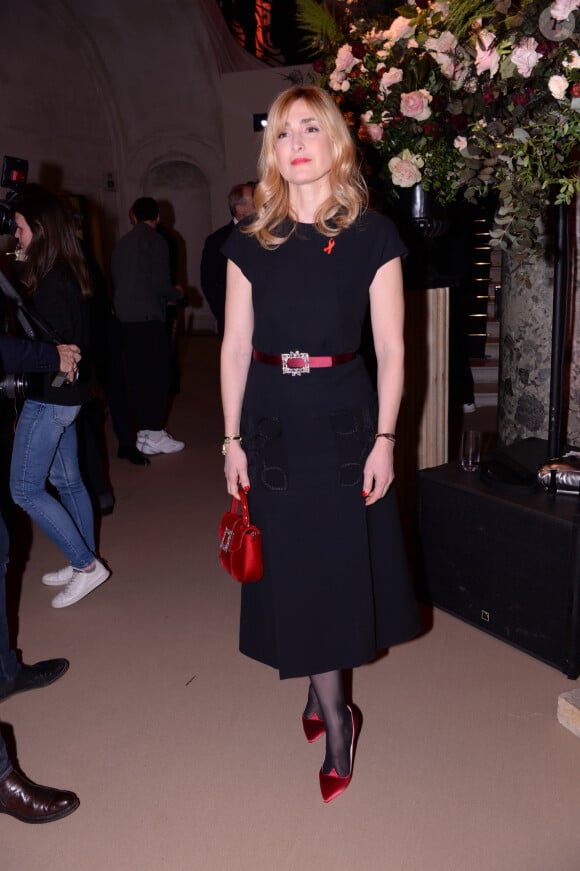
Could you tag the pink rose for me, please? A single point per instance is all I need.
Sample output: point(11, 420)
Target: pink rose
point(416, 105)
point(525, 57)
point(487, 57)
point(338, 81)
point(405, 169)
point(368, 130)
point(445, 43)
point(561, 9)
point(400, 29)
point(345, 60)
point(391, 77)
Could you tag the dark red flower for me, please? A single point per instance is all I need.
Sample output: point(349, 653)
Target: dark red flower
point(575, 89)
point(432, 130)
point(458, 122)
point(546, 47)
point(438, 102)
point(519, 99)
point(318, 65)
point(488, 94)
point(357, 95)
point(358, 50)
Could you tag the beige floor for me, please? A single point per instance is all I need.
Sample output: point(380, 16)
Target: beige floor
point(189, 757)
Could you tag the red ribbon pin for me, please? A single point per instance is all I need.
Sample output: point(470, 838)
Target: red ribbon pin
point(329, 247)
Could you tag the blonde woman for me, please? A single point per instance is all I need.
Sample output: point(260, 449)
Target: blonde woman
point(307, 435)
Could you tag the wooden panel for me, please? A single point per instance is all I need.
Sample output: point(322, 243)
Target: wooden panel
point(423, 423)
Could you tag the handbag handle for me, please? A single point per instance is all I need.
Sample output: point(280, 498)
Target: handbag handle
point(243, 501)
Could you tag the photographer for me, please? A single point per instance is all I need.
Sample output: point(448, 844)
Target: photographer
point(57, 285)
point(19, 797)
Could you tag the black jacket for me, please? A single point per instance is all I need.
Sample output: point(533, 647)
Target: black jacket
point(58, 302)
point(23, 355)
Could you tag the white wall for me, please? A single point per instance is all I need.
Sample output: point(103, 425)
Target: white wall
point(127, 90)
point(243, 95)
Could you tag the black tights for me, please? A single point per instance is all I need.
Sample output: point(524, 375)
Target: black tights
point(326, 699)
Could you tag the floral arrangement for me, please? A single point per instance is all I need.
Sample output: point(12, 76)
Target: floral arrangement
point(465, 97)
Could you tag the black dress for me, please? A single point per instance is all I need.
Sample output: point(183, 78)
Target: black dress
point(335, 587)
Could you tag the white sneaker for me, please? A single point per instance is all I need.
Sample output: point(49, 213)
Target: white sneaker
point(152, 442)
point(58, 578)
point(81, 585)
point(468, 407)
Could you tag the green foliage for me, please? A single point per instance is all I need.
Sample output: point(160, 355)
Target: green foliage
point(462, 14)
point(318, 22)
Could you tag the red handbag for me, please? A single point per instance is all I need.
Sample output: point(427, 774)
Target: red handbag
point(240, 543)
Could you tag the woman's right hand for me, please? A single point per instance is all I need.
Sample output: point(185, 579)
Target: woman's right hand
point(236, 469)
point(69, 357)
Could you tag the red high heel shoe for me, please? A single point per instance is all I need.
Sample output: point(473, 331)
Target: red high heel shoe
point(314, 728)
point(332, 785)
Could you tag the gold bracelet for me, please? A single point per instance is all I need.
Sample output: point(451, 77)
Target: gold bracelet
point(227, 439)
point(390, 436)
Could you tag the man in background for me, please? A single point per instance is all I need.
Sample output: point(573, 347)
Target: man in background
point(213, 262)
point(142, 288)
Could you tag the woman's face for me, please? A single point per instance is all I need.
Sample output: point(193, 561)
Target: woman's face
point(23, 232)
point(303, 149)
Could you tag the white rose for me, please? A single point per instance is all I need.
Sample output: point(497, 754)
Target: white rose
point(460, 142)
point(561, 9)
point(404, 173)
point(404, 168)
point(558, 85)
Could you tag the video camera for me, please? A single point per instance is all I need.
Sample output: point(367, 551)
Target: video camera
point(14, 175)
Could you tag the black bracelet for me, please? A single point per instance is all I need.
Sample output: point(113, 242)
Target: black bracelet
point(390, 436)
point(228, 439)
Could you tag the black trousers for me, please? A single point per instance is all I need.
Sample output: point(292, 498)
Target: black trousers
point(146, 349)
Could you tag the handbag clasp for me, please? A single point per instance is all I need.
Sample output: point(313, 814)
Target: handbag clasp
point(226, 539)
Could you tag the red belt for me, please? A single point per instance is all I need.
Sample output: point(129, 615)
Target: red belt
point(299, 362)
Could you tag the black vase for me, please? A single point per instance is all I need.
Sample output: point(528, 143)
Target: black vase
point(419, 208)
point(423, 225)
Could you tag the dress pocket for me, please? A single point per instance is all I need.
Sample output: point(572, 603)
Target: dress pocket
point(354, 430)
point(265, 447)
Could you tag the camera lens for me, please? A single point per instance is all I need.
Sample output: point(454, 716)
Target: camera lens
point(13, 387)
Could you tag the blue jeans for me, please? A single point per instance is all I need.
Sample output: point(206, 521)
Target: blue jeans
point(45, 447)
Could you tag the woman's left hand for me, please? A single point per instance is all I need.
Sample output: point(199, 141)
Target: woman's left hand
point(379, 473)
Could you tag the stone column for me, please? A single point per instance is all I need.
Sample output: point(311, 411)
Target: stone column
point(526, 349)
point(573, 416)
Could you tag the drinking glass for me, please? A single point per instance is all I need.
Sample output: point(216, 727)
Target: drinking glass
point(470, 450)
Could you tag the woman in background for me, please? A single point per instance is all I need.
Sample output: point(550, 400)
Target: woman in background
point(305, 431)
point(56, 283)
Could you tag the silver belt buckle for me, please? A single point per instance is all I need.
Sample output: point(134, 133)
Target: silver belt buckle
point(304, 369)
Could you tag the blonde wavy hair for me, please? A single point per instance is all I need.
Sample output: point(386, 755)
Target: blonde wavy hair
point(349, 195)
